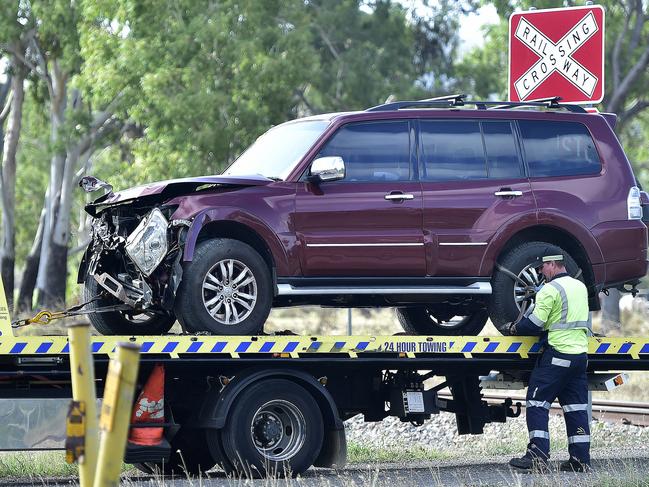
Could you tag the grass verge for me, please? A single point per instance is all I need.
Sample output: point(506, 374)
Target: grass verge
point(362, 453)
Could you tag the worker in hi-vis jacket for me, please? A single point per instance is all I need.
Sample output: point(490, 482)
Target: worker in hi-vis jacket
point(561, 316)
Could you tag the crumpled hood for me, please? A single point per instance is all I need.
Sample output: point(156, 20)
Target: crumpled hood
point(164, 190)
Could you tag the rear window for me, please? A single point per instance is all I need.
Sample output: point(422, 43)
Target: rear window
point(454, 150)
point(558, 149)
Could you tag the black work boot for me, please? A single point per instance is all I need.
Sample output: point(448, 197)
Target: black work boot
point(574, 465)
point(530, 463)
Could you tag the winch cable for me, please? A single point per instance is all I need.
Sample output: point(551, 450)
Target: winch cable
point(45, 317)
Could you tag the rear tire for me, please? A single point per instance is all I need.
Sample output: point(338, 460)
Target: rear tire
point(117, 322)
point(503, 306)
point(274, 427)
point(421, 320)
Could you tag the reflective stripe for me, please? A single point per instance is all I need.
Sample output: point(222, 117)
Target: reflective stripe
point(538, 404)
point(560, 362)
point(536, 320)
point(570, 408)
point(579, 439)
point(564, 300)
point(550, 258)
point(539, 434)
point(570, 325)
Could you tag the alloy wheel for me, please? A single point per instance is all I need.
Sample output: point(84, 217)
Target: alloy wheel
point(229, 291)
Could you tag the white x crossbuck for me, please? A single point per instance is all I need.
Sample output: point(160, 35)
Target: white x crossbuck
point(556, 57)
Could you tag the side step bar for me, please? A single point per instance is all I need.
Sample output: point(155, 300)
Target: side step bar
point(474, 288)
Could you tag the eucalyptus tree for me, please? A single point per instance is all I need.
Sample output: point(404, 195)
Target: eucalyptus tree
point(627, 75)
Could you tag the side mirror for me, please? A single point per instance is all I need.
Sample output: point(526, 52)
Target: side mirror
point(327, 169)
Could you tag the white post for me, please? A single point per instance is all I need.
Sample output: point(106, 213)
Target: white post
point(349, 321)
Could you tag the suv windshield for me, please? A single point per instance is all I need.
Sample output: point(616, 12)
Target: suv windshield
point(276, 152)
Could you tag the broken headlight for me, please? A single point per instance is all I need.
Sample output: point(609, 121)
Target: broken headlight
point(147, 245)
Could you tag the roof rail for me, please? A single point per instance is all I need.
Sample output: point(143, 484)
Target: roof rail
point(450, 101)
point(438, 101)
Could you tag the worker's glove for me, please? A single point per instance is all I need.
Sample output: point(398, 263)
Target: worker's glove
point(511, 326)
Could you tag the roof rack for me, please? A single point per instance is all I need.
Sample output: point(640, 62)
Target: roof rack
point(438, 101)
point(450, 101)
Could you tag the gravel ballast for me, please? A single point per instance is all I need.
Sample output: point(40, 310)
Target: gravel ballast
point(439, 434)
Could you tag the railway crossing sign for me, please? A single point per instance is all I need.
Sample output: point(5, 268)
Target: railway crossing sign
point(557, 52)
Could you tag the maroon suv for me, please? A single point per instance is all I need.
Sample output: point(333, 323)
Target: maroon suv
point(436, 208)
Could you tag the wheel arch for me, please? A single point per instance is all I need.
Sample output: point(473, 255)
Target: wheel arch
point(217, 404)
point(237, 231)
point(561, 238)
point(236, 225)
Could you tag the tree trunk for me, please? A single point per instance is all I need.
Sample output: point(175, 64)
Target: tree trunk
point(8, 185)
point(58, 106)
point(30, 273)
point(7, 269)
point(57, 275)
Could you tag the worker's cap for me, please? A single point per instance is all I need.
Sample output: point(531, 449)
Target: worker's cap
point(549, 255)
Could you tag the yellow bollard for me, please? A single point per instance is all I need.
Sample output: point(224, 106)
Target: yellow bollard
point(83, 390)
point(116, 411)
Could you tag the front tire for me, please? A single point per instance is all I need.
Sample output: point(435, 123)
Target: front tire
point(122, 322)
point(275, 427)
point(507, 294)
point(226, 289)
point(426, 320)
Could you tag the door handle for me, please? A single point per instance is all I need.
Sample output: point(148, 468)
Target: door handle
point(398, 196)
point(508, 193)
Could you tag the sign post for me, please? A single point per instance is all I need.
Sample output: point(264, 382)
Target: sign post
point(557, 52)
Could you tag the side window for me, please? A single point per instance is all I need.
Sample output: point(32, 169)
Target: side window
point(372, 151)
point(452, 150)
point(558, 148)
point(503, 160)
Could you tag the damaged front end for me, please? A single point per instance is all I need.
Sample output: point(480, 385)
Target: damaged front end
point(135, 255)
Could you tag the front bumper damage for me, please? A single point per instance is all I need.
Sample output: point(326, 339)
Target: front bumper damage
point(135, 256)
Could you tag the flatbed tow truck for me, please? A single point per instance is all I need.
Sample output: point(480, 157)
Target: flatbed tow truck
point(261, 404)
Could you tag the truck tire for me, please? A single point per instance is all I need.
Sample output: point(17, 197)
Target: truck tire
point(275, 427)
point(504, 306)
point(226, 289)
point(190, 456)
point(422, 320)
point(121, 322)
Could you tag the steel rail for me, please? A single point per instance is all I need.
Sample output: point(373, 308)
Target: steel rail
point(626, 412)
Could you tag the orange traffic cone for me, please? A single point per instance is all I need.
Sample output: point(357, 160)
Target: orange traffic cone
point(149, 408)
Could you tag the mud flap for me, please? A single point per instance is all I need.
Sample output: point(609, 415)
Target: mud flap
point(334, 450)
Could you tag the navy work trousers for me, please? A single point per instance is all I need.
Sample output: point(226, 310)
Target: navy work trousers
point(563, 376)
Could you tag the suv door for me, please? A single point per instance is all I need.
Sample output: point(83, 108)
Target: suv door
point(368, 223)
point(473, 182)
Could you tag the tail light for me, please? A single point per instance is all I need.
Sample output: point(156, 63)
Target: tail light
point(633, 204)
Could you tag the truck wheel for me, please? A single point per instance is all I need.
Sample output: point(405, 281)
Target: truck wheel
point(274, 428)
point(226, 289)
point(507, 295)
point(190, 456)
point(122, 322)
point(426, 320)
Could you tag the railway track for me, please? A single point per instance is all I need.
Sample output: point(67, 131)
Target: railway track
point(626, 412)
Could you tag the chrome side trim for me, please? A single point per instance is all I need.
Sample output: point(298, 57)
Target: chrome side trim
point(414, 244)
point(459, 244)
point(475, 288)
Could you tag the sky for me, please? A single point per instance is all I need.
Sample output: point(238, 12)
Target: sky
point(472, 23)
